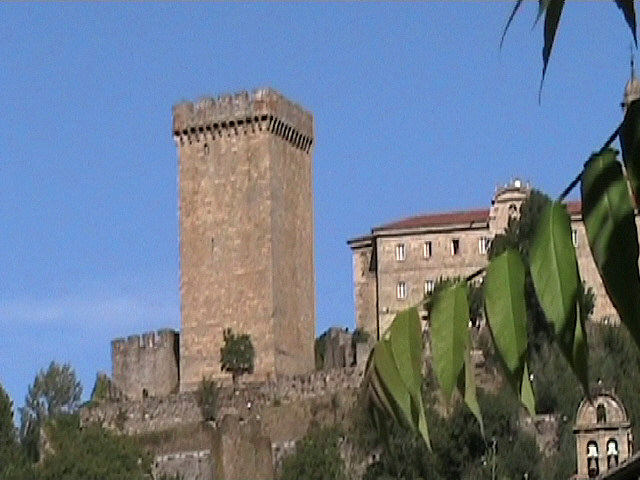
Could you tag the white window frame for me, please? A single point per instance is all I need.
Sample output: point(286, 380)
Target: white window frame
point(427, 249)
point(401, 252)
point(401, 290)
point(455, 251)
point(429, 286)
point(484, 243)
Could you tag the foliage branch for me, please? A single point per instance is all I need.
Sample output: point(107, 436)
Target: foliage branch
point(609, 191)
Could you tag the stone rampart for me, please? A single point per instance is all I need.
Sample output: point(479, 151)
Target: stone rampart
point(192, 465)
point(146, 365)
point(155, 414)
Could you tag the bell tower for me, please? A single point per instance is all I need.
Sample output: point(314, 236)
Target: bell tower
point(603, 435)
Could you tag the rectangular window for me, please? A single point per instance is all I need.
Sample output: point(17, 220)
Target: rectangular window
point(429, 285)
point(574, 237)
point(400, 253)
point(401, 291)
point(455, 246)
point(484, 243)
point(426, 250)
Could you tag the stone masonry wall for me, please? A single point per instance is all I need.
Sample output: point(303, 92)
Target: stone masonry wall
point(364, 281)
point(603, 309)
point(246, 232)
point(164, 413)
point(417, 269)
point(293, 262)
point(146, 364)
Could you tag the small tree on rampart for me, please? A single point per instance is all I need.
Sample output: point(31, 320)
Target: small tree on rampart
point(237, 354)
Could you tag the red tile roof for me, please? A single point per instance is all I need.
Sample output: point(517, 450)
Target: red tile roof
point(574, 207)
point(455, 218)
point(438, 219)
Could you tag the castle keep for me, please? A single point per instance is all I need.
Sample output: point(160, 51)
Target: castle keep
point(246, 232)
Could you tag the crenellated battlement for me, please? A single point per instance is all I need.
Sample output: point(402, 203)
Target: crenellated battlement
point(158, 339)
point(146, 364)
point(244, 113)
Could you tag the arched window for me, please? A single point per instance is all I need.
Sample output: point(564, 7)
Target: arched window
point(601, 414)
point(593, 468)
point(612, 453)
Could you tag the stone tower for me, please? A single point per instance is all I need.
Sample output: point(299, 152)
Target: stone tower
point(603, 435)
point(246, 232)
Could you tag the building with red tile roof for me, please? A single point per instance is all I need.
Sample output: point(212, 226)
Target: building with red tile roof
point(399, 262)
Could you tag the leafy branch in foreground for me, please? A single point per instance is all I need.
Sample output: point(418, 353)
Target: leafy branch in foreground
point(552, 11)
point(395, 366)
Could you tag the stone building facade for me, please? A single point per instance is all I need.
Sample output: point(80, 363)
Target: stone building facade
point(398, 263)
point(603, 436)
point(146, 365)
point(246, 232)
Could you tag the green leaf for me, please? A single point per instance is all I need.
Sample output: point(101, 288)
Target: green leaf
point(526, 392)
point(406, 346)
point(467, 387)
point(422, 422)
point(390, 382)
point(580, 351)
point(630, 143)
point(506, 27)
point(405, 339)
point(610, 223)
point(542, 7)
point(378, 396)
point(554, 271)
point(551, 21)
point(629, 15)
point(449, 335)
point(506, 312)
point(393, 376)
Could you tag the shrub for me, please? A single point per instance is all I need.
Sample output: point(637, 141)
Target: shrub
point(317, 457)
point(208, 399)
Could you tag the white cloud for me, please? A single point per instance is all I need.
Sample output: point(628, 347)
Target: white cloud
point(92, 309)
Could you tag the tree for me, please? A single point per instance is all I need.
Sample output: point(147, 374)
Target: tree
point(101, 388)
point(458, 449)
point(12, 460)
point(53, 392)
point(237, 354)
point(609, 190)
point(90, 453)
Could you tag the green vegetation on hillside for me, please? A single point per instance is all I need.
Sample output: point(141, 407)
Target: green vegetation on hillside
point(51, 444)
point(317, 457)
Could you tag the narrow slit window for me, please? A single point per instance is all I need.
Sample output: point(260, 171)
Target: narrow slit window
point(401, 290)
point(455, 246)
point(484, 243)
point(427, 249)
point(429, 285)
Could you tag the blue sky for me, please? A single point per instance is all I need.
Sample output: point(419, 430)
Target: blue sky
point(415, 107)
